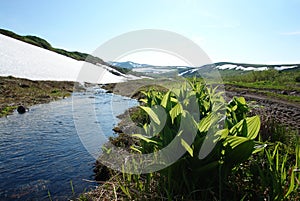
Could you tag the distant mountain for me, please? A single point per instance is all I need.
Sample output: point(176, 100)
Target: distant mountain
point(230, 68)
point(255, 67)
point(129, 64)
point(224, 68)
point(129, 67)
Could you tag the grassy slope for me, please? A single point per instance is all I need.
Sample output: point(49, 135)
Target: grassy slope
point(270, 83)
point(255, 65)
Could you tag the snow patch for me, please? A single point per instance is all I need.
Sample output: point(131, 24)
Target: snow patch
point(236, 67)
point(227, 66)
point(285, 67)
point(251, 68)
point(23, 60)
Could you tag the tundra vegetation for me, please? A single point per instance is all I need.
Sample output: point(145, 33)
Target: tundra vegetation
point(245, 162)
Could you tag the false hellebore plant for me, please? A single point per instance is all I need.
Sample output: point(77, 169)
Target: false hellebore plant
point(216, 136)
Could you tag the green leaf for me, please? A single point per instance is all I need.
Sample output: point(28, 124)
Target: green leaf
point(222, 133)
point(143, 100)
point(238, 150)
point(253, 127)
point(175, 111)
point(142, 137)
point(244, 130)
point(241, 100)
point(151, 113)
point(206, 105)
point(248, 127)
point(234, 108)
point(206, 122)
point(234, 141)
point(292, 184)
point(165, 100)
point(135, 149)
point(176, 92)
point(187, 147)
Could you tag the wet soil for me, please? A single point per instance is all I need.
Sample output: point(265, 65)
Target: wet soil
point(15, 92)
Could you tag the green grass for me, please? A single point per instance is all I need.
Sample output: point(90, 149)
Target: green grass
point(270, 83)
point(7, 110)
point(263, 91)
point(269, 79)
point(291, 86)
point(294, 99)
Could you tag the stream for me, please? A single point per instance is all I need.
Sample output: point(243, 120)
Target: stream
point(42, 157)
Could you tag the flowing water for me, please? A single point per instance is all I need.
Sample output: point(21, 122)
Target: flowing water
point(41, 154)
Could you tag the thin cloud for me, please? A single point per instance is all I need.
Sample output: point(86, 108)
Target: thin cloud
point(293, 33)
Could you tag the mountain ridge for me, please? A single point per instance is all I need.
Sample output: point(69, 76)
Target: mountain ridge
point(119, 68)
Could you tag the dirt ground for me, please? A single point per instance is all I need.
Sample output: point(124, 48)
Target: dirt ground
point(16, 92)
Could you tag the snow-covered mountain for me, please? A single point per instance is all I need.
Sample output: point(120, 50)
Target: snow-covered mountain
point(128, 64)
point(23, 60)
point(186, 71)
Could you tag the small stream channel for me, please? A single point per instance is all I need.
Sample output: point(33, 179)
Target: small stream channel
point(41, 152)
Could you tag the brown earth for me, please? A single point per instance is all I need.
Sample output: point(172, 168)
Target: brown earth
point(283, 111)
point(23, 92)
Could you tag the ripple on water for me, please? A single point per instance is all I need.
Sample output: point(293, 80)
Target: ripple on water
point(40, 150)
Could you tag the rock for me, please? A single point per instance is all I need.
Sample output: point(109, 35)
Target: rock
point(102, 172)
point(21, 109)
point(284, 92)
point(24, 85)
point(44, 97)
point(117, 130)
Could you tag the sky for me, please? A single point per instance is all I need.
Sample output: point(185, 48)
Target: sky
point(256, 31)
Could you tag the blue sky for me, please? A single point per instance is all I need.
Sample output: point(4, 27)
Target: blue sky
point(240, 31)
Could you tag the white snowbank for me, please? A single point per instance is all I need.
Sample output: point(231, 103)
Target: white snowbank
point(236, 67)
point(251, 68)
point(284, 67)
point(23, 60)
point(227, 66)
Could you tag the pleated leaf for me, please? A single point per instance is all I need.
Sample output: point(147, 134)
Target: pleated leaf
point(187, 147)
point(151, 114)
point(175, 111)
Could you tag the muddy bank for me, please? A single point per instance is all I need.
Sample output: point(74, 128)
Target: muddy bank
point(284, 112)
point(23, 92)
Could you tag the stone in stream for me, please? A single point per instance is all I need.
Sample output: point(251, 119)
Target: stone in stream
point(21, 109)
point(117, 130)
